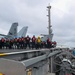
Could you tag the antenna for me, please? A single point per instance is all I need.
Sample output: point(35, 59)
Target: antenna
point(49, 20)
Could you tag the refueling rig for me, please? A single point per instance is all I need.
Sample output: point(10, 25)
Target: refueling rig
point(29, 62)
point(59, 61)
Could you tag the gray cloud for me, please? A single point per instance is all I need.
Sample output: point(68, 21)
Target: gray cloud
point(65, 30)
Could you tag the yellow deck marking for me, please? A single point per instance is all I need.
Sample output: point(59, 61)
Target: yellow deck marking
point(2, 54)
point(1, 74)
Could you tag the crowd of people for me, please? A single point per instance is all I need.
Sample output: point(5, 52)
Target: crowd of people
point(26, 42)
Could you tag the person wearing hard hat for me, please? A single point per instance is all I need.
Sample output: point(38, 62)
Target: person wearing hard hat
point(38, 42)
point(28, 41)
point(49, 43)
point(2, 42)
point(33, 42)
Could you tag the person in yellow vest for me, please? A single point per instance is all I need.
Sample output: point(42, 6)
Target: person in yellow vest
point(38, 42)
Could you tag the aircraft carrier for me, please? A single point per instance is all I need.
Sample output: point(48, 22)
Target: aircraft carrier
point(45, 61)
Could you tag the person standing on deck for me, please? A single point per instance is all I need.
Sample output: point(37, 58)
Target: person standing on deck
point(28, 41)
point(33, 42)
point(38, 42)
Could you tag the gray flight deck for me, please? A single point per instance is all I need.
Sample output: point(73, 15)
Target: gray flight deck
point(27, 61)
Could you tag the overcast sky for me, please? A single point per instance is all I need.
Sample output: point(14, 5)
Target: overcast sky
point(32, 13)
